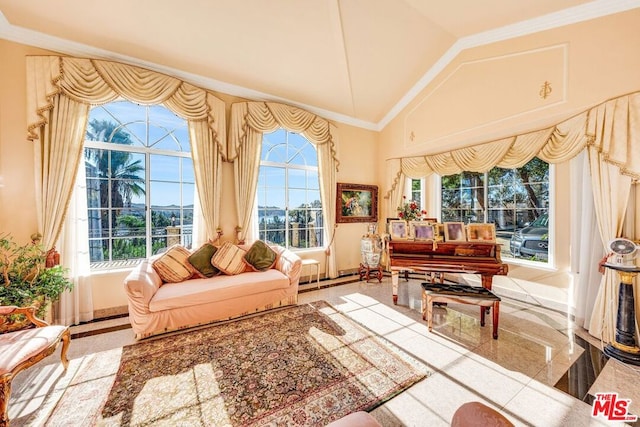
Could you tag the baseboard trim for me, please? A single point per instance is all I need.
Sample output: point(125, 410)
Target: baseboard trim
point(111, 312)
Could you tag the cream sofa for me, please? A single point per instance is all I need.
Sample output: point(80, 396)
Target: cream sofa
point(155, 308)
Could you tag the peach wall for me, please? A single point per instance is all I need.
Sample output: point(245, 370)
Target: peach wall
point(601, 62)
point(17, 200)
point(358, 153)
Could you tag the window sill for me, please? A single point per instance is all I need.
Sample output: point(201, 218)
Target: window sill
point(113, 270)
point(310, 251)
point(530, 264)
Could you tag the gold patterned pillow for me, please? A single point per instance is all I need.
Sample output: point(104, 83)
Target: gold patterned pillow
point(173, 266)
point(229, 259)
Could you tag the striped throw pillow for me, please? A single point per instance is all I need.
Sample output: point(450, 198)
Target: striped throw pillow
point(229, 259)
point(173, 266)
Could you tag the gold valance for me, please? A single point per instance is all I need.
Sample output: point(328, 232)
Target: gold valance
point(95, 82)
point(264, 117)
point(612, 127)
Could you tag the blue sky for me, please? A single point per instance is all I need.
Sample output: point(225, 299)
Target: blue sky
point(166, 132)
point(169, 132)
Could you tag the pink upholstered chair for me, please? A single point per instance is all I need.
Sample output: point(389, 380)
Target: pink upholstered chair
point(355, 419)
point(476, 414)
point(24, 348)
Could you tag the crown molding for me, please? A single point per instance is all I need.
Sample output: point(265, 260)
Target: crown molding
point(592, 10)
point(37, 39)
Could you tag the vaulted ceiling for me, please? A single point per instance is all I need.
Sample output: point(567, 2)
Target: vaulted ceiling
point(354, 61)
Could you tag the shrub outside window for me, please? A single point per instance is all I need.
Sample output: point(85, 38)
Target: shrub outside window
point(516, 200)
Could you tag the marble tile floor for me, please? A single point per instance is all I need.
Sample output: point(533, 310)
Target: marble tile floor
point(537, 348)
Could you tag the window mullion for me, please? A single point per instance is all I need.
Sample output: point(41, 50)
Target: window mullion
point(486, 198)
point(181, 217)
point(147, 204)
point(110, 205)
point(286, 201)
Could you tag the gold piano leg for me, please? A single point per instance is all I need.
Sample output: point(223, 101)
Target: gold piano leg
point(394, 286)
point(424, 305)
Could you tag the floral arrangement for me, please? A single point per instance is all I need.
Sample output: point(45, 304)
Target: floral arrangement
point(410, 210)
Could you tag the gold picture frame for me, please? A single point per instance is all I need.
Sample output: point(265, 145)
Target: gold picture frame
point(356, 203)
point(421, 230)
point(454, 232)
point(481, 233)
point(398, 230)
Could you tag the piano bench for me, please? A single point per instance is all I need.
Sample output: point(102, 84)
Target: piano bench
point(461, 294)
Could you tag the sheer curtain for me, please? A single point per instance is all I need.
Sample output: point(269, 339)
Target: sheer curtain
point(60, 91)
point(586, 248)
point(249, 121)
point(76, 306)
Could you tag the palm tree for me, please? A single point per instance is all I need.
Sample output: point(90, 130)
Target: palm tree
point(122, 175)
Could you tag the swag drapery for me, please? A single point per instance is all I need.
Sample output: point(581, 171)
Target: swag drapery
point(60, 91)
point(249, 121)
point(610, 132)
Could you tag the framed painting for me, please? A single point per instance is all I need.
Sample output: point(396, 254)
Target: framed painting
point(454, 232)
point(356, 203)
point(421, 230)
point(481, 233)
point(398, 229)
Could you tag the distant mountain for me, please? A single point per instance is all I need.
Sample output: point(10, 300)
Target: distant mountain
point(270, 211)
point(163, 207)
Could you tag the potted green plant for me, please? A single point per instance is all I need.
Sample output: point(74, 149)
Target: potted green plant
point(25, 279)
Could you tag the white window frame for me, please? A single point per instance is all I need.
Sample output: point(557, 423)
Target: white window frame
point(551, 261)
point(147, 152)
point(287, 207)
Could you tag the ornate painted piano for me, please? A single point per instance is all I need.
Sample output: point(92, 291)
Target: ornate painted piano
point(445, 257)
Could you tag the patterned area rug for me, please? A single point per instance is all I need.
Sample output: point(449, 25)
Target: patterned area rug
point(303, 365)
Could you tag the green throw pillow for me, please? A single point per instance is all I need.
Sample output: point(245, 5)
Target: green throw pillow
point(260, 256)
point(201, 260)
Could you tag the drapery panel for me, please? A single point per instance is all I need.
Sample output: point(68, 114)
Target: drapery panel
point(249, 121)
point(60, 91)
point(611, 192)
point(610, 131)
point(94, 82)
point(397, 176)
point(57, 155)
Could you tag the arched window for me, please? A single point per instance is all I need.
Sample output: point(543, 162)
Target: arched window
point(288, 194)
point(140, 182)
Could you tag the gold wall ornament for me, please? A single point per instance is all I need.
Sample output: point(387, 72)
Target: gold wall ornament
point(412, 136)
point(545, 90)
